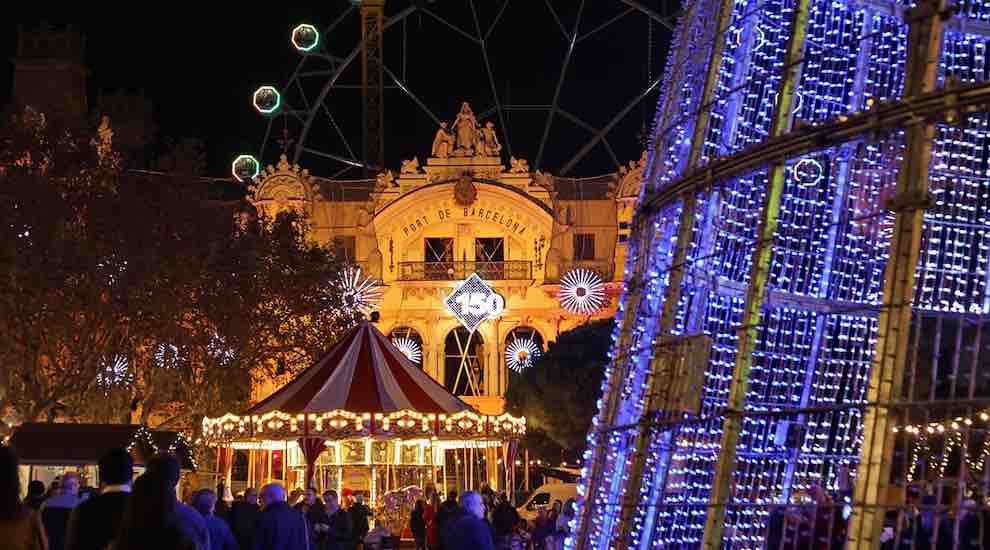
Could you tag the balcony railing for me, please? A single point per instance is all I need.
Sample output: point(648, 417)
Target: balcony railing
point(456, 271)
point(604, 268)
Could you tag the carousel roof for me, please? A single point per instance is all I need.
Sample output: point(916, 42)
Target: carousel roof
point(362, 373)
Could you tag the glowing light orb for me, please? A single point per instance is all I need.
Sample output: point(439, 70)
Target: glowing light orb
point(798, 101)
point(520, 354)
point(305, 37)
point(245, 167)
point(409, 348)
point(808, 172)
point(582, 291)
point(360, 292)
point(266, 100)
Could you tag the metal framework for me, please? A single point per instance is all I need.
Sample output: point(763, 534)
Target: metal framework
point(310, 101)
point(785, 211)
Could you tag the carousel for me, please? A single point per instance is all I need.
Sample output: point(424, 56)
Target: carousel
point(365, 419)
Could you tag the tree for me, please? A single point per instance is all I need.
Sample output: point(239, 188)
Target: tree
point(557, 394)
point(129, 297)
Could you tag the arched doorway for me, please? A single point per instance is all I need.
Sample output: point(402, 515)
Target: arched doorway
point(464, 367)
point(409, 342)
point(523, 345)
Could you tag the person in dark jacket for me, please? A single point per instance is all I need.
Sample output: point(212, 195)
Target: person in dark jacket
point(204, 501)
point(339, 531)
point(243, 517)
point(35, 495)
point(191, 523)
point(417, 524)
point(448, 511)
point(55, 511)
point(469, 531)
point(279, 526)
point(316, 515)
point(95, 522)
point(150, 521)
point(360, 513)
point(504, 520)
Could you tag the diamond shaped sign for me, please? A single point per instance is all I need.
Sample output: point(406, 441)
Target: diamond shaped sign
point(473, 302)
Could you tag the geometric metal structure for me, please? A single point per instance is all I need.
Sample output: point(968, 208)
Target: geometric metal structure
point(312, 125)
point(809, 157)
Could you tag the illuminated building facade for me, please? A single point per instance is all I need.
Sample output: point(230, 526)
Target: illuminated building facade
point(770, 239)
point(547, 246)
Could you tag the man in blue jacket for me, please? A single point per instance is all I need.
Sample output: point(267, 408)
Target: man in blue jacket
point(469, 530)
point(279, 526)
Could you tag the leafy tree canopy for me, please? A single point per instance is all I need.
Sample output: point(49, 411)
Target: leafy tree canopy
point(128, 297)
point(558, 394)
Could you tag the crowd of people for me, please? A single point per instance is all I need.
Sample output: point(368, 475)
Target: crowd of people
point(145, 513)
point(486, 521)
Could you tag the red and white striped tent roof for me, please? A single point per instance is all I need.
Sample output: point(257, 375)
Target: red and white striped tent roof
point(362, 373)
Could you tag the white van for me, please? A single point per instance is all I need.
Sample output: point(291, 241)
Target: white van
point(544, 497)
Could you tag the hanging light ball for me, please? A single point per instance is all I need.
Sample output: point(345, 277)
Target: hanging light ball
point(582, 291)
point(245, 168)
point(305, 37)
point(520, 354)
point(808, 172)
point(266, 100)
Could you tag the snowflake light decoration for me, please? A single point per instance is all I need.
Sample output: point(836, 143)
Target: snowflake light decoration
point(520, 354)
point(582, 291)
point(362, 293)
point(409, 348)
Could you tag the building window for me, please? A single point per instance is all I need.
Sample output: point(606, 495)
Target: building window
point(464, 369)
point(345, 248)
point(489, 254)
point(623, 237)
point(440, 249)
point(584, 246)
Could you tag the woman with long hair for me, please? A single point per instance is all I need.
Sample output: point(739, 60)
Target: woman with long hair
point(20, 526)
point(150, 522)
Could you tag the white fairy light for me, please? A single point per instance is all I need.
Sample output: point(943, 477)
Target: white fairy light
point(362, 293)
point(519, 355)
point(409, 347)
point(582, 292)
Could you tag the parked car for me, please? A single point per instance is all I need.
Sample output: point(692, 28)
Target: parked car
point(544, 496)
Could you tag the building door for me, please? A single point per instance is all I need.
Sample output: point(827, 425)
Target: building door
point(438, 258)
point(464, 371)
point(489, 256)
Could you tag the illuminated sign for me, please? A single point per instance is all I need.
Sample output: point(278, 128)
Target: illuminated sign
point(472, 302)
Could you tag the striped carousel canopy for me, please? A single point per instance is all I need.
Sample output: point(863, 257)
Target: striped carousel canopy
point(362, 373)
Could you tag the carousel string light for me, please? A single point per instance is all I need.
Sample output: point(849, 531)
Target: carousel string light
point(410, 348)
point(582, 291)
point(359, 292)
point(519, 355)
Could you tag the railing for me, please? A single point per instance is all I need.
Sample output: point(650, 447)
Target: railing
point(604, 268)
point(455, 271)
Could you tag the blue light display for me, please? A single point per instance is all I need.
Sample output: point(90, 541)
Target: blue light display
point(819, 322)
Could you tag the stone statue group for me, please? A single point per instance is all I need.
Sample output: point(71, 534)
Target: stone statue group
point(466, 138)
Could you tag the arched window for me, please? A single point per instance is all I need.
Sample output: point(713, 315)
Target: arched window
point(464, 362)
point(522, 346)
point(409, 342)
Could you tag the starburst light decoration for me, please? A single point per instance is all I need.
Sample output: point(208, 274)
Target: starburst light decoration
point(582, 291)
point(359, 291)
point(409, 348)
point(520, 354)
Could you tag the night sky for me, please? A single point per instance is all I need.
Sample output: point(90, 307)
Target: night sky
point(200, 70)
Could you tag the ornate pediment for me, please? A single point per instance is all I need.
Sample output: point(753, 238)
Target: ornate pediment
point(629, 179)
point(282, 187)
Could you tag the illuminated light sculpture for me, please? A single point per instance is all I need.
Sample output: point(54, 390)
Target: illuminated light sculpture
point(474, 302)
point(266, 100)
point(305, 37)
point(813, 343)
point(245, 168)
point(582, 291)
point(410, 348)
point(362, 293)
point(520, 354)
